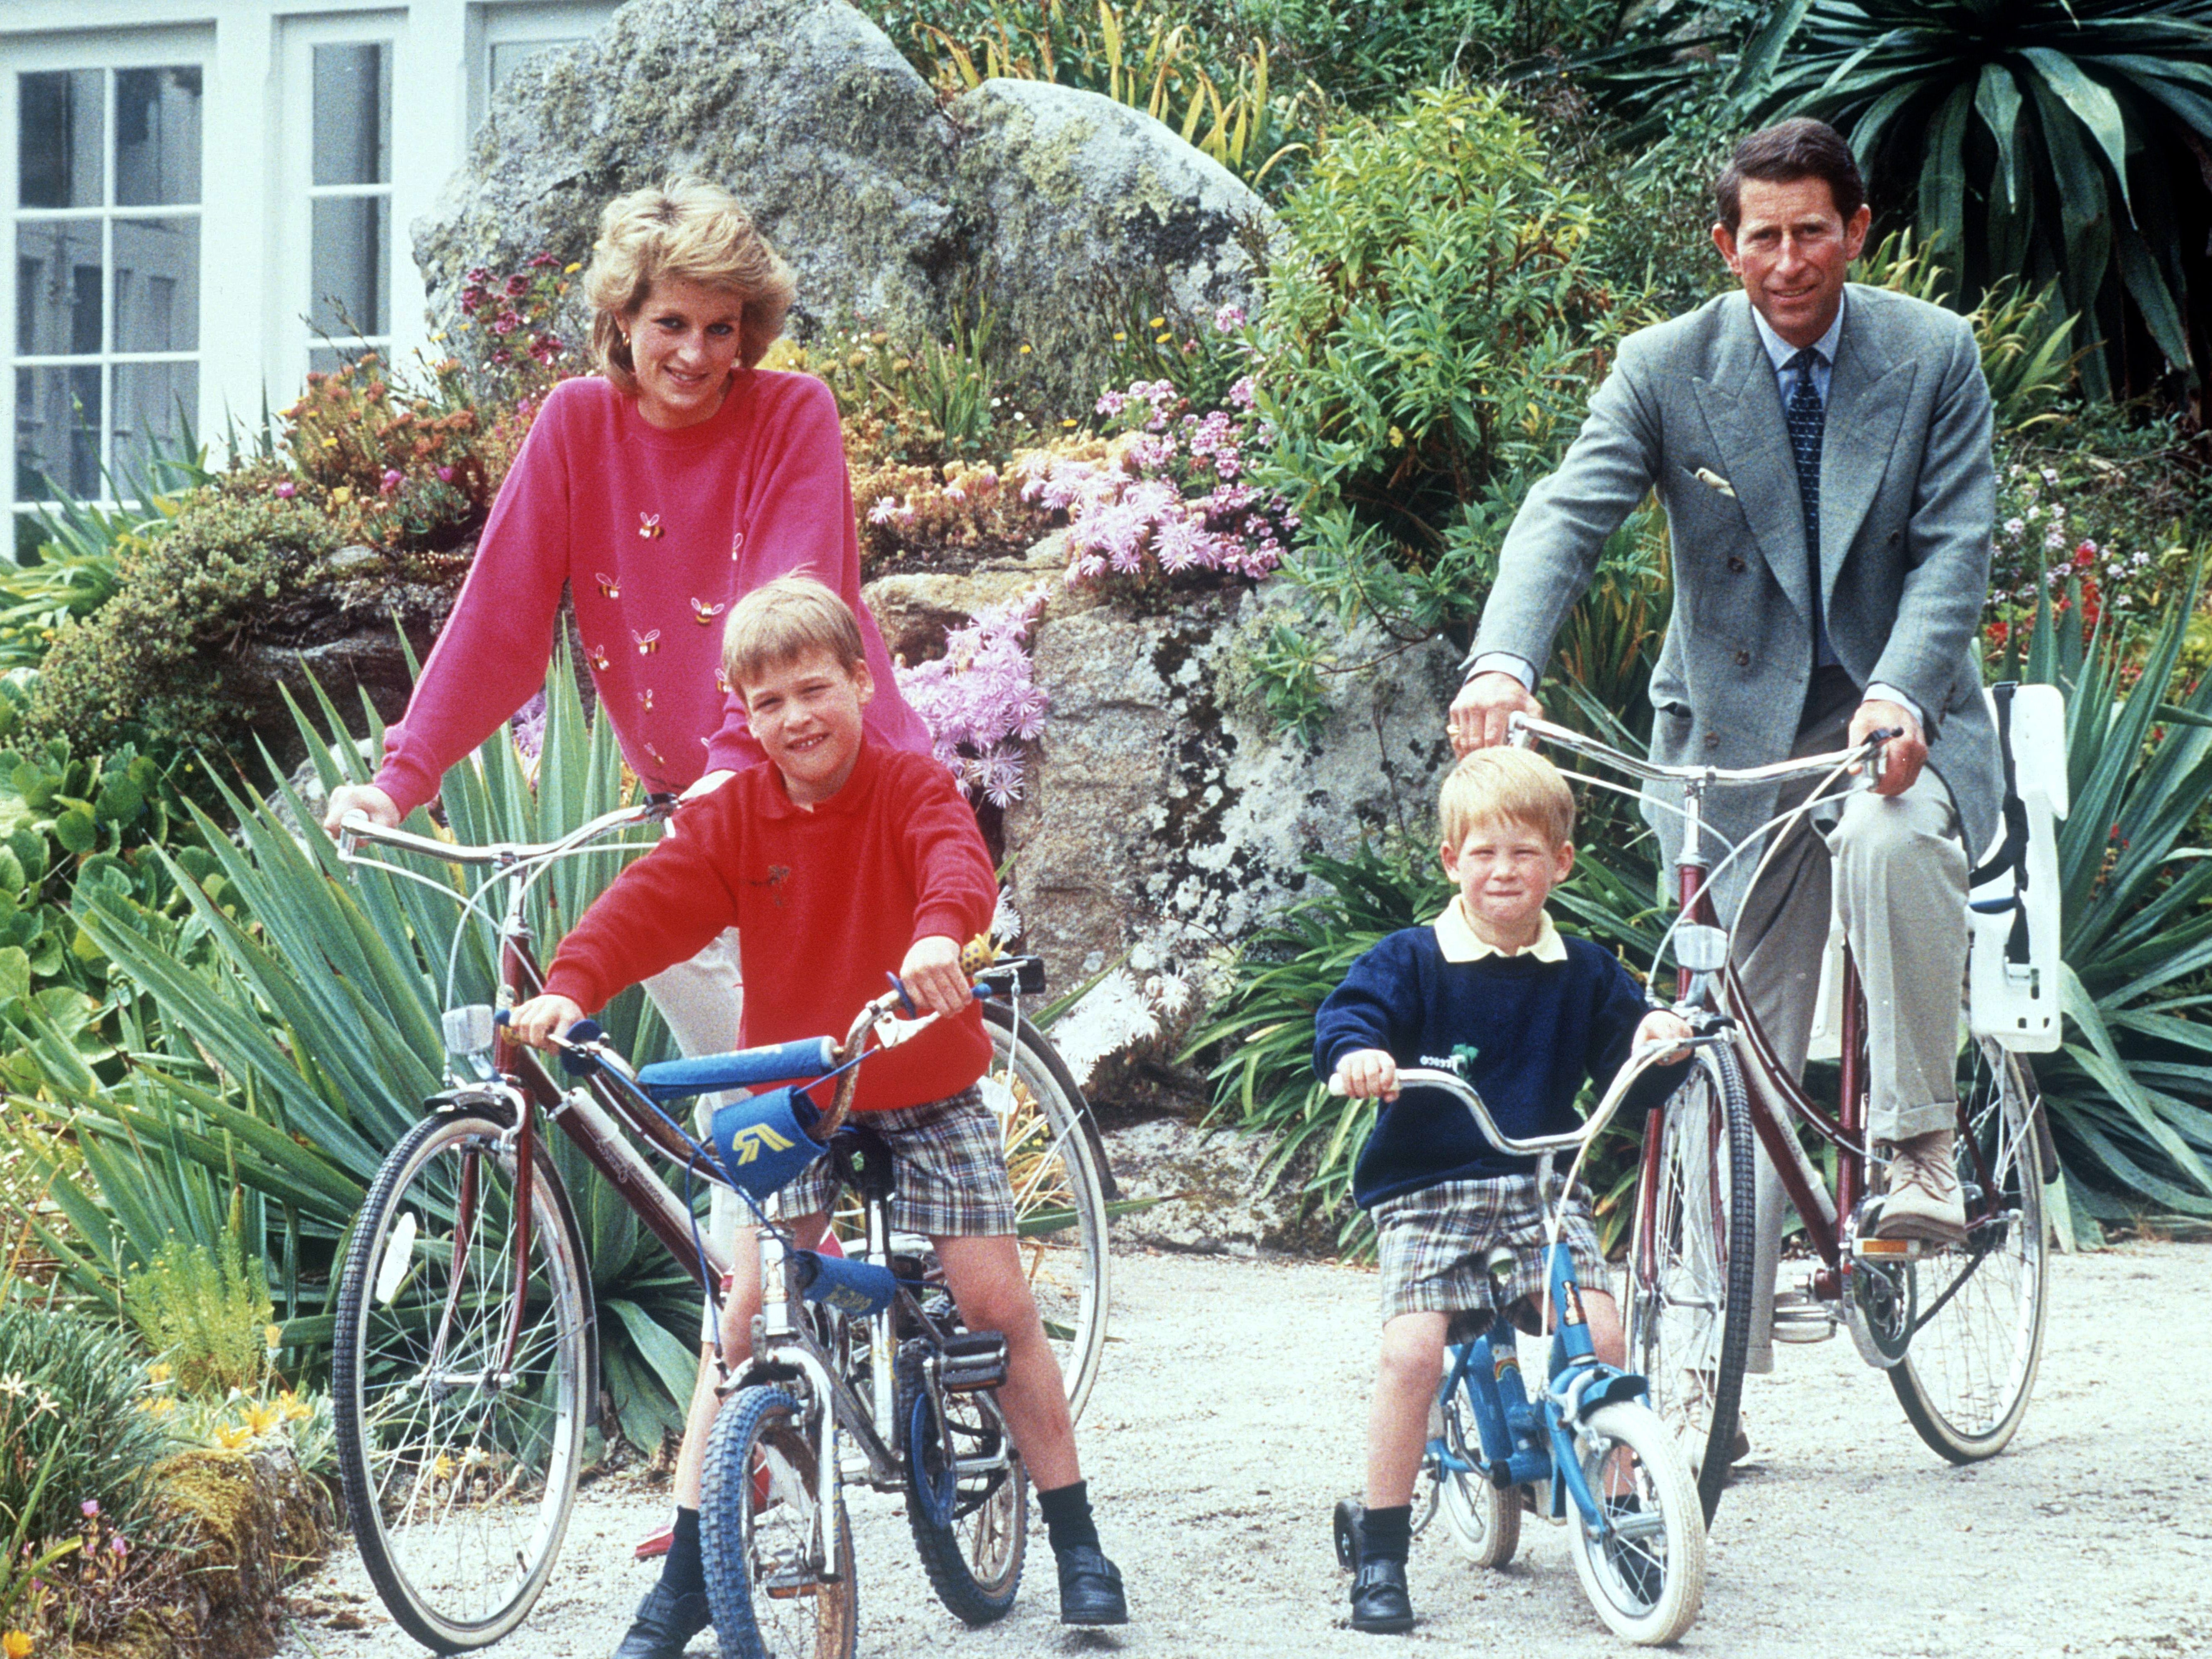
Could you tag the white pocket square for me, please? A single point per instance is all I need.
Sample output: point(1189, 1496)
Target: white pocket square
point(1712, 480)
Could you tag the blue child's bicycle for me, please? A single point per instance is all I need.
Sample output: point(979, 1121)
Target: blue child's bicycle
point(1585, 1449)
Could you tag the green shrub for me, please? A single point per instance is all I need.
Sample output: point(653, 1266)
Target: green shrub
point(1428, 353)
point(206, 1313)
point(71, 1405)
point(150, 667)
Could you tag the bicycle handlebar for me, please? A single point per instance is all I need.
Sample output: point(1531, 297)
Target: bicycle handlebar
point(357, 827)
point(1776, 772)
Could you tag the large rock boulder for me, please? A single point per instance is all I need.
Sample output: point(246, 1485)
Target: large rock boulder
point(1050, 204)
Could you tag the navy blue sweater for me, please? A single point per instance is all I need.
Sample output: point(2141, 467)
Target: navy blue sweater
point(1537, 1029)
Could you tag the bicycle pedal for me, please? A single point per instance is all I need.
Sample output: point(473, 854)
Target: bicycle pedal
point(1887, 1249)
point(1807, 1323)
point(790, 1589)
point(973, 1360)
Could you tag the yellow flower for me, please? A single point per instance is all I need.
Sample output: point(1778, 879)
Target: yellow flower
point(332, 443)
point(1025, 351)
point(1118, 336)
point(1157, 322)
point(443, 1468)
point(343, 494)
point(259, 1420)
point(230, 1436)
point(158, 1371)
point(274, 1336)
point(17, 1644)
point(572, 267)
point(1070, 422)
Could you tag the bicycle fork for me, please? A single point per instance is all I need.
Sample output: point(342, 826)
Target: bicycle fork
point(777, 1331)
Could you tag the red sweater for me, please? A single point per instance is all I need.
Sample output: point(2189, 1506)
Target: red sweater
point(656, 533)
point(825, 903)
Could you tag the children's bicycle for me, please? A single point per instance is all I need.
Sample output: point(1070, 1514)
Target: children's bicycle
point(1957, 1327)
point(1584, 1449)
point(465, 1362)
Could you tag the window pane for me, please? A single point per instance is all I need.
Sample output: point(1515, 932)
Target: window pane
point(155, 404)
point(157, 135)
point(58, 133)
point(353, 114)
point(58, 286)
point(352, 235)
point(157, 284)
point(57, 433)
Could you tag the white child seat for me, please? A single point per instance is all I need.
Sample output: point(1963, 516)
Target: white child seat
point(2013, 916)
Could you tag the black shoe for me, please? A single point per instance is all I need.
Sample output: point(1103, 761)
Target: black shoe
point(1090, 1588)
point(1380, 1605)
point(665, 1624)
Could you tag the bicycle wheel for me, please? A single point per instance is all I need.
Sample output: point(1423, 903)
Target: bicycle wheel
point(1484, 1521)
point(1059, 1193)
point(757, 1529)
point(1966, 1376)
point(1690, 1266)
point(969, 1530)
point(458, 1453)
point(1648, 1577)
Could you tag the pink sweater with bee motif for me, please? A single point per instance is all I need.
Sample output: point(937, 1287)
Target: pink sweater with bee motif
point(656, 533)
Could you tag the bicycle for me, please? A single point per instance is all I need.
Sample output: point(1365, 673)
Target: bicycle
point(466, 1359)
point(1580, 1451)
point(1958, 1328)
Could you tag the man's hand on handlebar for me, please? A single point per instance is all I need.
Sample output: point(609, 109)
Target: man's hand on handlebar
point(1369, 1074)
point(1660, 1026)
point(542, 1018)
point(931, 972)
point(1485, 704)
point(1903, 756)
point(366, 799)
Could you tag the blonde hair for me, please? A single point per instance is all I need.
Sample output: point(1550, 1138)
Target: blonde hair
point(694, 232)
point(780, 620)
point(1513, 786)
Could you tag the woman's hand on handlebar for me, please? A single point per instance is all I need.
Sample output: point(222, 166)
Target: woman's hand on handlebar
point(1485, 704)
point(1903, 756)
point(366, 799)
point(932, 976)
point(1368, 1074)
point(1660, 1027)
point(541, 1019)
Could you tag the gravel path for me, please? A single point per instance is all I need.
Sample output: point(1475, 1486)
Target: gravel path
point(1229, 1417)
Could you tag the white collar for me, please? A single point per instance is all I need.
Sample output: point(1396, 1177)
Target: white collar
point(1459, 941)
point(1779, 351)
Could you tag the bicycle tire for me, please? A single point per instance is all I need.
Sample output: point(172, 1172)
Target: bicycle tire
point(1484, 1519)
point(970, 1533)
point(766, 1602)
point(1972, 1360)
point(1690, 1266)
point(438, 1491)
point(1647, 1587)
point(1056, 1169)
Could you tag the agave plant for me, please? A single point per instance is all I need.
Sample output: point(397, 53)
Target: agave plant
point(2045, 139)
point(271, 1065)
point(2127, 1095)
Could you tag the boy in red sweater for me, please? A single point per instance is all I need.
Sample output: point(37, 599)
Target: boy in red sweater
point(836, 858)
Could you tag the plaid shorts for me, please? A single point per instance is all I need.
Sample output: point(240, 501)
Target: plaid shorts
point(1432, 1241)
point(950, 1164)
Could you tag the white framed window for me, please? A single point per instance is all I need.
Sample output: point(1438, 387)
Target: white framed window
point(103, 165)
point(505, 34)
point(338, 284)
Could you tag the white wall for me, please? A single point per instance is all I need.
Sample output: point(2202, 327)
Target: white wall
point(258, 113)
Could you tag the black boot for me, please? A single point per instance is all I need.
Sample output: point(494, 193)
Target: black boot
point(1379, 1603)
point(1090, 1588)
point(665, 1622)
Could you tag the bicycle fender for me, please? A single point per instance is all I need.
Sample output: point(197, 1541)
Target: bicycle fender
point(496, 1104)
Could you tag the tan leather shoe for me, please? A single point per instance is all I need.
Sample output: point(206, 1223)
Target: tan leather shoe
point(1923, 1201)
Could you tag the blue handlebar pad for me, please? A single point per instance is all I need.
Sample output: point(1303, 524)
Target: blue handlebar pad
point(855, 1289)
point(679, 1079)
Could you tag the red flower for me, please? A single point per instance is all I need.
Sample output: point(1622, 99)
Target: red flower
point(1999, 633)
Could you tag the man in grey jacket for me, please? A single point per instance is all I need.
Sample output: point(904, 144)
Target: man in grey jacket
point(1822, 451)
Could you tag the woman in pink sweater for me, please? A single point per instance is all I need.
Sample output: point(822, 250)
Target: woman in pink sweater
point(658, 493)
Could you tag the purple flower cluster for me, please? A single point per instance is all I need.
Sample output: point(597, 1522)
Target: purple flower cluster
point(979, 701)
point(1167, 494)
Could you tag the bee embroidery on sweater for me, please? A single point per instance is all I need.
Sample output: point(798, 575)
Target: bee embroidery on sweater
point(658, 759)
point(704, 614)
point(737, 546)
point(721, 682)
point(645, 699)
point(646, 643)
point(648, 525)
point(600, 660)
point(609, 587)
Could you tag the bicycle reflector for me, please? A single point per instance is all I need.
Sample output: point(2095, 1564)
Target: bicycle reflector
point(765, 1140)
point(855, 1289)
point(468, 1030)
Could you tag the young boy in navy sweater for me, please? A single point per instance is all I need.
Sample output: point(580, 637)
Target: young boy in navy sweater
point(836, 861)
point(1491, 990)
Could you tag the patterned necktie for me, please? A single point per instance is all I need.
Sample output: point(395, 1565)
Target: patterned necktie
point(1806, 418)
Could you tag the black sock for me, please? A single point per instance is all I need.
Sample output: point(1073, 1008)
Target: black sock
point(1067, 1516)
point(684, 1571)
point(1386, 1534)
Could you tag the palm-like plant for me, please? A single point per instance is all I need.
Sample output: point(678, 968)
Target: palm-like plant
point(272, 1065)
point(2037, 139)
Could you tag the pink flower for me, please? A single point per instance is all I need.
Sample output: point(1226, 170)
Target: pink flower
point(393, 478)
point(885, 509)
point(91, 1508)
point(506, 322)
point(445, 475)
point(286, 490)
point(120, 1545)
point(1229, 316)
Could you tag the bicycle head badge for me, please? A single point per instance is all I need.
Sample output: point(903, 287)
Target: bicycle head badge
point(765, 1140)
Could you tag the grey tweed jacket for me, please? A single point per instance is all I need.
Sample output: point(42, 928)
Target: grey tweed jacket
point(1907, 494)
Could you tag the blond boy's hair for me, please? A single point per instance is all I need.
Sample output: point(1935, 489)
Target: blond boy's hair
point(783, 620)
point(1514, 785)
